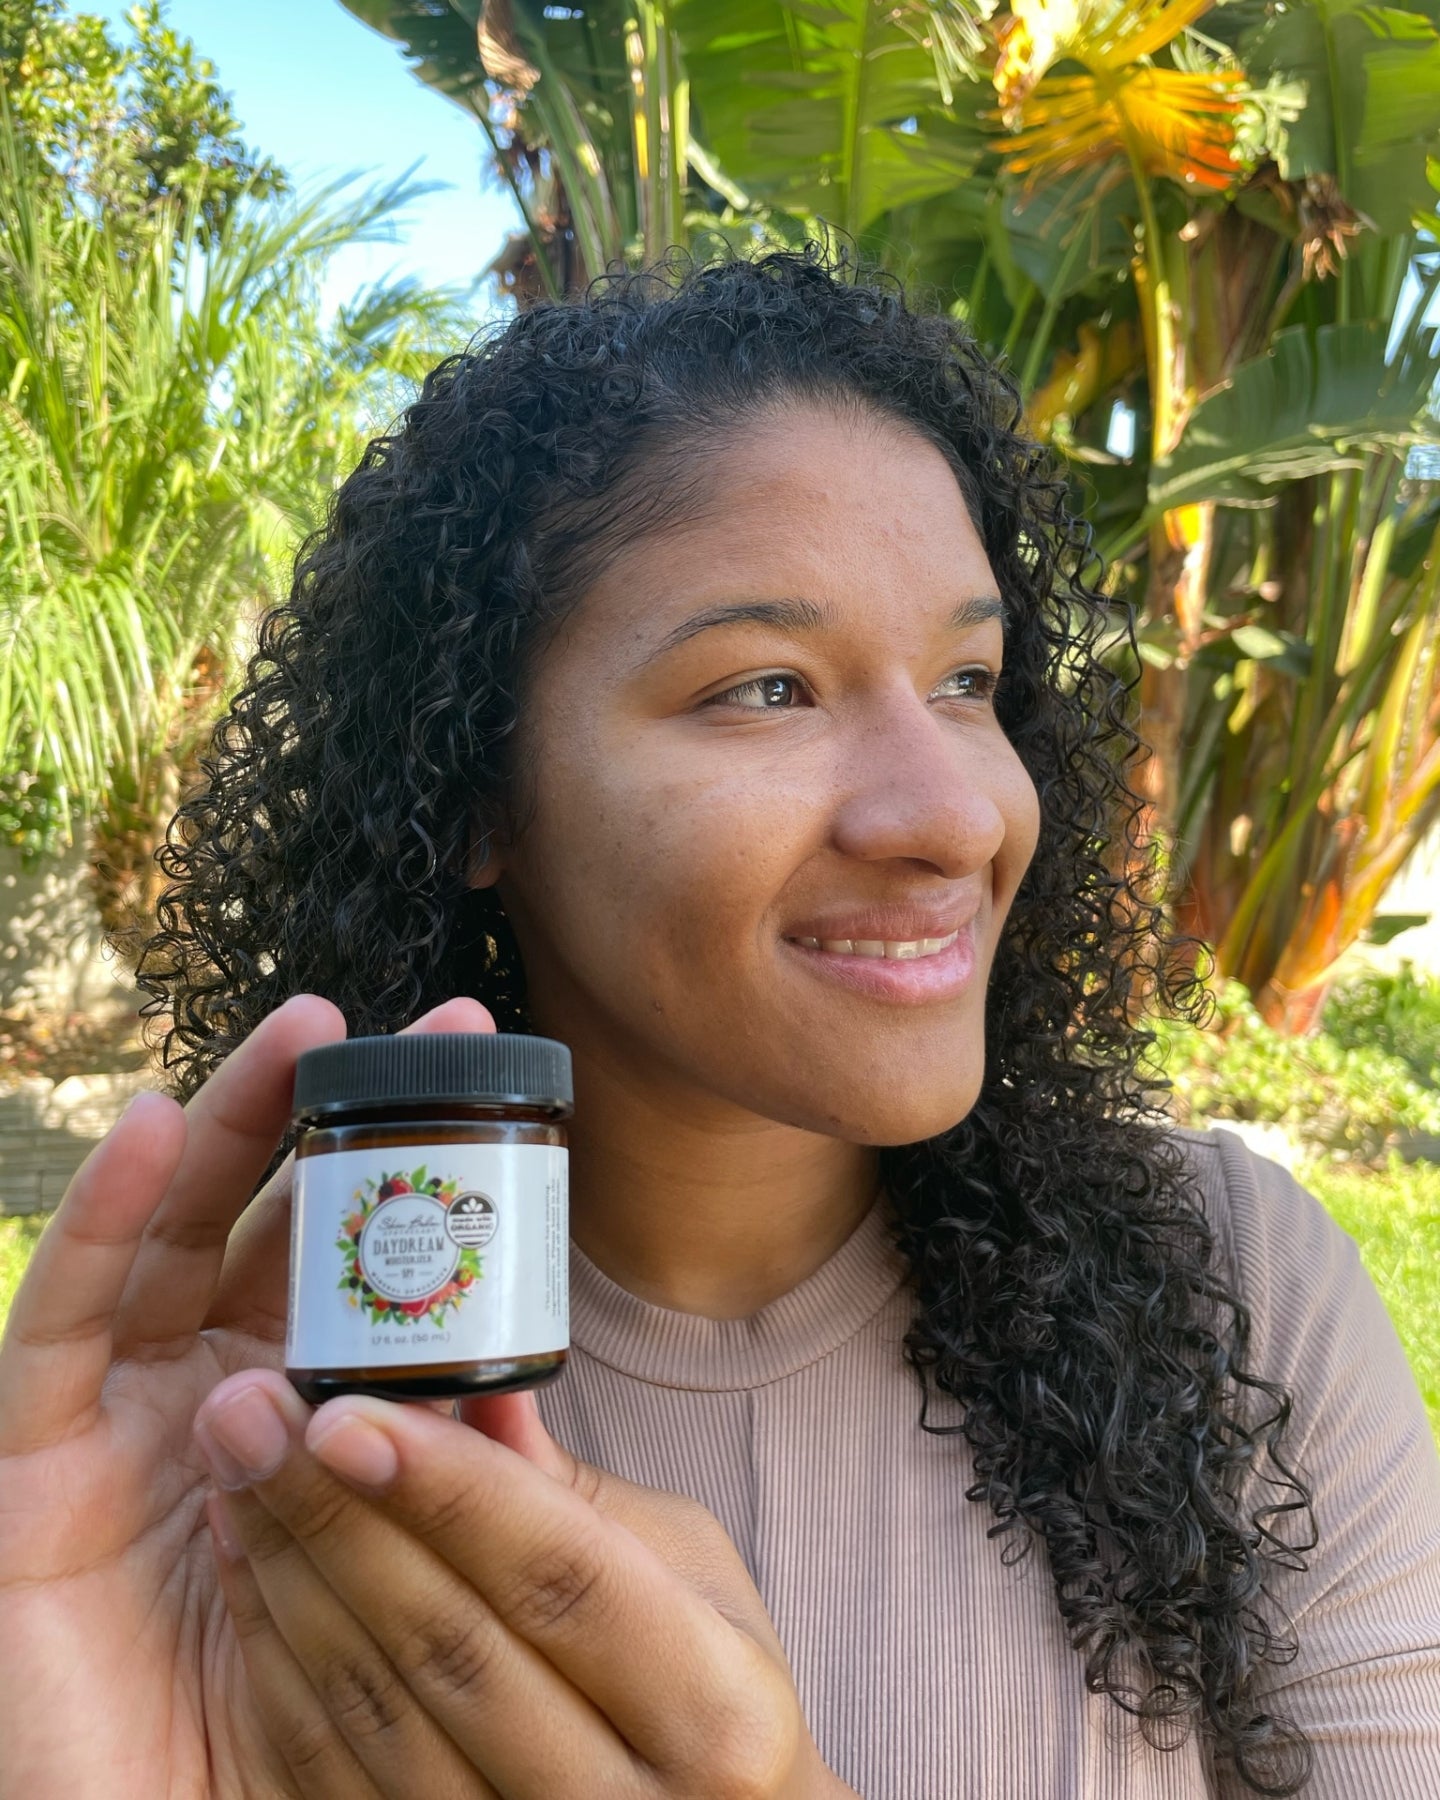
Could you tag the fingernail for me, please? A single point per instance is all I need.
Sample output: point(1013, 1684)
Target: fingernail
point(355, 1450)
point(244, 1438)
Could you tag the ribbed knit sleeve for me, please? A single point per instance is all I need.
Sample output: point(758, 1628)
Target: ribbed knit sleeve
point(1365, 1684)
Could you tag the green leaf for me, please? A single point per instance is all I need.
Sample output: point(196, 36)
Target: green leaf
point(838, 109)
point(439, 41)
point(1385, 926)
point(1257, 642)
point(1088, 212)
point(1282, 650)
point(1372, 110)
point(1314, 402)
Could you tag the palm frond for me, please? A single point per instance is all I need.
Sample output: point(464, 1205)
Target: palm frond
point(162, 404)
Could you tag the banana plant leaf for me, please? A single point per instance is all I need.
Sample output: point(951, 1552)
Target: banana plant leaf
point(842, 108)
point(1073, 234)
point(1372, 105)
point(599, 87)
point(1314, 402)
point(439, 42)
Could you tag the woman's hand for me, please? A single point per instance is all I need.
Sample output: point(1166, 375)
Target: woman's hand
point(123, 1672)
point(427, 1609)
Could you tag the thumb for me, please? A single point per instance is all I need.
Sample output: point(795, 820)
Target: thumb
point(514, 1420)
point(651, 1513)
point(685, 1534)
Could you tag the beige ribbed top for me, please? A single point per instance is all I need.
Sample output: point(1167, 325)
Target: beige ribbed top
point(927, 1669)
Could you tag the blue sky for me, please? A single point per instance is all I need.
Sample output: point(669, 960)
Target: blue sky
point(325, 95)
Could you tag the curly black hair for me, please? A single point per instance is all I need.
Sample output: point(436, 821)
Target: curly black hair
point(1056, 1243)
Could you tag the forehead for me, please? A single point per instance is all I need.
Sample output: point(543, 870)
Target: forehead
point(846, 510)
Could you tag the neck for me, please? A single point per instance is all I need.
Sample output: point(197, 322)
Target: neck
point(692, 1204)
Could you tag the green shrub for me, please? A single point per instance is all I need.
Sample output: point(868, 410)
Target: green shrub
point(1399, 1014)
point(1352, 1102)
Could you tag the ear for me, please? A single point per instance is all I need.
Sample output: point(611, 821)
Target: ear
point(483, 860)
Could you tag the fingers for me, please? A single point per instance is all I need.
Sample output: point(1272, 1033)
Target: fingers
point(395, 1643)
point(304, 1753)
point(327, 1700)
point(58, 1342)
point(660, 1663)
point(232, 1127)
point(251, 1293)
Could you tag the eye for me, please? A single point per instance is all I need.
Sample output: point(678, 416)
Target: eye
point(974, 684)
point(762, 688)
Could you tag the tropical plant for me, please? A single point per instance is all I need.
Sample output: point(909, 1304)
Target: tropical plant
point(587, 132)
point(1190, 222)
point(839, 112)
point(1289, 640)
point(173, 413)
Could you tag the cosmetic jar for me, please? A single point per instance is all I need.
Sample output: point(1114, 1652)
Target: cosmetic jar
point(429, 1236)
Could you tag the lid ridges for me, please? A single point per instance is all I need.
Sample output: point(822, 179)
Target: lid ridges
point(424, 1066)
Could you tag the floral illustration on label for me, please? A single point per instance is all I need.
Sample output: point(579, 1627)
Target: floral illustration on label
point(409, 1247)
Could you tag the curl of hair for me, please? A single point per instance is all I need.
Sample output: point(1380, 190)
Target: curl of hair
point(1057, 1249)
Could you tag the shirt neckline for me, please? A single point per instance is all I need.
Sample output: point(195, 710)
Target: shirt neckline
point(666, 1348)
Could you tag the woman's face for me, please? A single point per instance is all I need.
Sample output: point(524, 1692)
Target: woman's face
point(708, 794)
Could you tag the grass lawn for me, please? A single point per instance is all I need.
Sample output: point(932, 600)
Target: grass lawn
point(1393, 1216)
point(18, 1238)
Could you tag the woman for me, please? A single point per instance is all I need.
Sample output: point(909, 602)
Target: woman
point(708, 674)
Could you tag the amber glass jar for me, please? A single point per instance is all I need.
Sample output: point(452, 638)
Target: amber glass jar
point(430, 1237)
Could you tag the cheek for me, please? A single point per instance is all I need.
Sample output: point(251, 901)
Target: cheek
point(666, 870)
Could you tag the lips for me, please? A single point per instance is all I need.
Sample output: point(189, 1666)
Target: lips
point(918, 981)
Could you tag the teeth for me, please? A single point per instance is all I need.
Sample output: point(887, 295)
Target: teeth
point(893, 950)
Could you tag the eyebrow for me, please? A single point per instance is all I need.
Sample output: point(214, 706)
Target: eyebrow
point(806, 615)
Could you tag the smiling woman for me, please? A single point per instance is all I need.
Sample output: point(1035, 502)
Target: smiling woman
point(707, 674)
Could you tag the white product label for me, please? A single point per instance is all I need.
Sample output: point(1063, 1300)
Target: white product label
point(429, 1254)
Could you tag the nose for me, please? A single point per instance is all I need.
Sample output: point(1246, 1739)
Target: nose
point(913, 785)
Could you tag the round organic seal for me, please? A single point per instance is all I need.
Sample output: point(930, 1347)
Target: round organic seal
point(471, 1220)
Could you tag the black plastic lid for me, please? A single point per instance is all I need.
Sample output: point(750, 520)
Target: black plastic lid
point(497, 1068)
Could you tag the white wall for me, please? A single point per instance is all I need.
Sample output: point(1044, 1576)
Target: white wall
point(52, 958)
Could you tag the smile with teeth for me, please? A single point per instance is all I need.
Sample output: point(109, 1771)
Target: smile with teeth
point(892, 951)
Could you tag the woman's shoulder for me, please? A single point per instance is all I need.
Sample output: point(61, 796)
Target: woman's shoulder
point(1267, 1223)
point(1318, 1323)
point(1365, 1598)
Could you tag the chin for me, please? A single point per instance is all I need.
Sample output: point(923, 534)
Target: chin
point(886, 1120)
point(888, 1134)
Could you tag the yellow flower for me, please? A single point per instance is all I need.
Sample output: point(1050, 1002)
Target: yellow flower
point(1167, 121)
